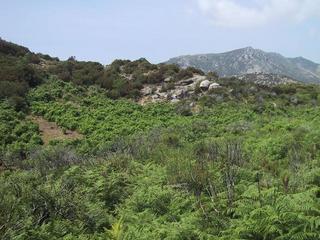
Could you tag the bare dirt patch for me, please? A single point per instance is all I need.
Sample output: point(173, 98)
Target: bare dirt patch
point(51, 131)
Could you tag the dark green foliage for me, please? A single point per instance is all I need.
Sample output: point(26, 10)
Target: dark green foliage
point(122, 78)
point(188, 73)
point(17, 135)
point(212, 76)
point(184, 109)
point(33, 58)
point(82, 73)
point(17, 75)
point(141, 65)
point(184, 74)
point(12, 49)
point(18, 103)
point(169, 70)
point(155, 77)
point(8, 89)
point(47, 57)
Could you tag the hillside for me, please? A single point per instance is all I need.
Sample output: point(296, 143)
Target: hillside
point(135, 150)
point(249, 60)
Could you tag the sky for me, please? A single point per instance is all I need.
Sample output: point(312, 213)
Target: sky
point(104, 30)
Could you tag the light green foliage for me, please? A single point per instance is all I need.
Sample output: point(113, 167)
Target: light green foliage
point(237, 169)
point(17, 135)
point(93, 114)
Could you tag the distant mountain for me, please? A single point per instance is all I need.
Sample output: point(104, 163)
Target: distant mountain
point(249, 60)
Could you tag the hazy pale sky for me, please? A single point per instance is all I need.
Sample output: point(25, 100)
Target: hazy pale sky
point(104, 30)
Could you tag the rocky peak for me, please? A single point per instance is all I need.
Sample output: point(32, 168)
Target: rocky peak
point(249, 60)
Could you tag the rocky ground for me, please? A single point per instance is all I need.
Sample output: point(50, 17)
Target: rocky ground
point(176, 91)
point(201, 85)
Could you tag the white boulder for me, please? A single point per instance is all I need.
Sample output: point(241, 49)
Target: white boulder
point(204, 85)
point(214, 86)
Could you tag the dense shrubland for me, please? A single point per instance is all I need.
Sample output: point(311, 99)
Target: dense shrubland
point(122, 78)
point(17, 135)
point(226, 171)
point(18, 73)
point(241, 162)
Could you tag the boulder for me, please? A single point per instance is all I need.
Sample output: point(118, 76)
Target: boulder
point(146, 91)
point(204, 85)
point(214, 86)
point(198, 78)
point(168, 79)
point(163, 95)
point(179, 93)
point(175, 100)
point(155, 96)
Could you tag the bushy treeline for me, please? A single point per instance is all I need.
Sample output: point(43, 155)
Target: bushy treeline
point(21, 70)
point(18, 73)
point(122, 78)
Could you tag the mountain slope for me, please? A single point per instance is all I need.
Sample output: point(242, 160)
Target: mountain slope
point(250, 60)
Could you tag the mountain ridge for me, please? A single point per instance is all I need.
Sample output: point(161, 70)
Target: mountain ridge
point(249, 60)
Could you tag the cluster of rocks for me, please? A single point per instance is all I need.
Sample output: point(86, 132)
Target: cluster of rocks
point(207, 85)
point(177, 90)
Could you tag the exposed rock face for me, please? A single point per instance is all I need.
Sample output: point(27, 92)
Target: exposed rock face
point(204, 85)
point(179, 93)
point(249, 60)
point(181, 90)
point(187, 88)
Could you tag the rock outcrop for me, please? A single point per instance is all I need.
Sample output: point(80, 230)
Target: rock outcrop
point(204, 85)
point(180, 90)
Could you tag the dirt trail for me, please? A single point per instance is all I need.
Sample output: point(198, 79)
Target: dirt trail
point(51, 131)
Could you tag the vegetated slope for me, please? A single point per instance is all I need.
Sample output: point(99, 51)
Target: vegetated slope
point(237, 161)
point(17, 73)
point(245, 166)
point(50, 131)
point(250, 60)
point(17, 134)
point(89, 110)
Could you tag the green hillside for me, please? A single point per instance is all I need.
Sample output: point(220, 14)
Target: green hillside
point(241, 162)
